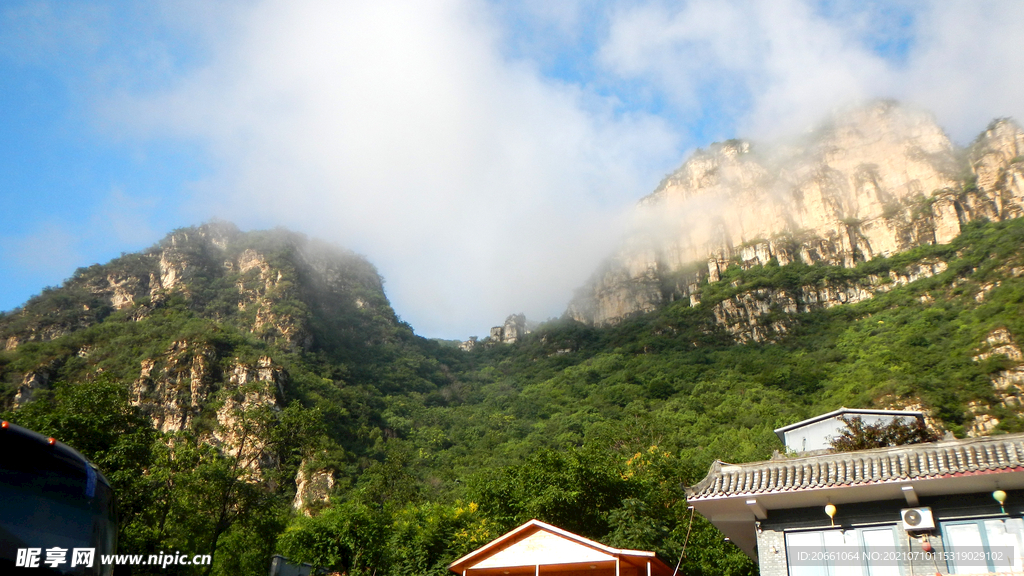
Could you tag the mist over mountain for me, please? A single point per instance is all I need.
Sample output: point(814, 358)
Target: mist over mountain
point(871, 181)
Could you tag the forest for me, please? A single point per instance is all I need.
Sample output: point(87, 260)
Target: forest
point(431, 450)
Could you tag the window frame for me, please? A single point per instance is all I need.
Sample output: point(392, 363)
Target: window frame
point(948, 545)
point(865, 568)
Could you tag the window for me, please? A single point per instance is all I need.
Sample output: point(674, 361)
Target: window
point(984, 535)
point(841, 552)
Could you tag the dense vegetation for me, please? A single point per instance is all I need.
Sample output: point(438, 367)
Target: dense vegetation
point(435, 451)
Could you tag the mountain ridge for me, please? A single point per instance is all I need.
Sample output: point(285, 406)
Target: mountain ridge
point(252, 393)
point(873, 181)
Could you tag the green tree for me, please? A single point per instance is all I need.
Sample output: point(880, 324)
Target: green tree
point(96, 418)
point(861, 436)
point(574, 489)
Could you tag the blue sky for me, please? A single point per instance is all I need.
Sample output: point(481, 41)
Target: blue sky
point(483, 155)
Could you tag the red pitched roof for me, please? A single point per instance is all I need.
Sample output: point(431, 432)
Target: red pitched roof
point(556, 551)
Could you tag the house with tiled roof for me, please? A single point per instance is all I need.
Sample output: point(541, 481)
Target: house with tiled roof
point(948, 507)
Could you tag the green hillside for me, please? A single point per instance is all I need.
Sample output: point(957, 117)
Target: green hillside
point(270, 356)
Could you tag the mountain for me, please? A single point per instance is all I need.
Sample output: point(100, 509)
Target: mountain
point(253, 393)
point(207, 305)
point(259, 358)
point(872, 181)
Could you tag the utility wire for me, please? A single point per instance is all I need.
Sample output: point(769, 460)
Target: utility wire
point(685, 541)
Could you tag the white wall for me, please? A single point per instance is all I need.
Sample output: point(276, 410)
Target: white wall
point(818, 435)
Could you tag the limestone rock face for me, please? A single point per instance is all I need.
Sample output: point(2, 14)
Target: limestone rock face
point(39, 378)
point(32, 382)
point(269, 280)
point(515, 327)
point(260, 288)
point(172, 388)
point(1007, 385)
point(313, 489)
point(175, 388)
point(198, 325)
point(997, 163)
point(243, 420)
point(870, 182)
point(744, 315)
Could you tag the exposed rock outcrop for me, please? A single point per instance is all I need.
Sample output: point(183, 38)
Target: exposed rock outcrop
point(32, 382)
point(313, 489)
point(173, 387)
point(39, 378)
point(244, 420)
point(871, 182)
point(260, 289)
point(222, 304)
point(469, 345)
point(278, 285)
point(761, 315)
point(1007, 384)
point(515, 327)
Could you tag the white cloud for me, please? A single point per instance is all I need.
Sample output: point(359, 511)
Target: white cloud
point(771, 66)
point(965, 65)
point(398, 129)
point(479, 186)
point(778, 66)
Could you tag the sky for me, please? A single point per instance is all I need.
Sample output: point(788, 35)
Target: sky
point(484, 155)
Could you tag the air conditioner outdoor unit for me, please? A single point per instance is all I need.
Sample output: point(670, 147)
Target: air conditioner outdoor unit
point(915, 519)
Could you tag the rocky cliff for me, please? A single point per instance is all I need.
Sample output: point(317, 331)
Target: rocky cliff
point(200, 329)
point(516, 326)
point(269, 284)
point(872, 181)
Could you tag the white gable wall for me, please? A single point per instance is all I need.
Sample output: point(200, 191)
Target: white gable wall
point(543, 548)
point(818, 435)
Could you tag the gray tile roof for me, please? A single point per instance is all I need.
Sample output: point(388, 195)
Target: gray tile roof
point(900, 463)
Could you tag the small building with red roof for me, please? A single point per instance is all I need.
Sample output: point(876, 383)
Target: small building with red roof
point(537, 548)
